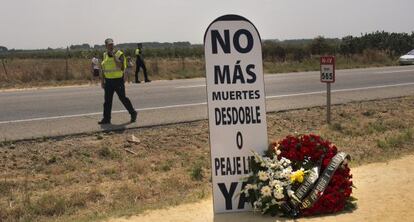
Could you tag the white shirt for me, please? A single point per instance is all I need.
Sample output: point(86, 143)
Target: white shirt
point(95, 62)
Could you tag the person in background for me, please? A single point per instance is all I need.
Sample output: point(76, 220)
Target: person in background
point(95, 68)
point(129, 69)
point(113, 68)
point(140, 64)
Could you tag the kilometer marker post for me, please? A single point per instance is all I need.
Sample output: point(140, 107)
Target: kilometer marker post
point(327, 64)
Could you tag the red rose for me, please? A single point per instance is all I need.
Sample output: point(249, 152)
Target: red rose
point(339, 189)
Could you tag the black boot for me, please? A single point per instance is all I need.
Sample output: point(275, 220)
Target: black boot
point(134, 117)
point(104, 121)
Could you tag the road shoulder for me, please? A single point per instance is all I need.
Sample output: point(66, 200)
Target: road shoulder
point(383, 193)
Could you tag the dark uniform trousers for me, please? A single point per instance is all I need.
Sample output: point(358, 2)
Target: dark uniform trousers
point(140, 64)
point(118, 86)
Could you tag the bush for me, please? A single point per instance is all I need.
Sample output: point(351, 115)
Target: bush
point(108, 153)
point(197, 172)
point(49, 205)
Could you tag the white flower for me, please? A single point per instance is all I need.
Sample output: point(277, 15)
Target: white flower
point(266, 191)
point(275, 164)
point(250, 187)
point(285, 162)
point(278, 152)
point(279, 193)
point(286, 183)
point(278, 175)
point(262, 176)
point(273, 183)
point(279, 196)
point(259, 204)
point(275, 202)
point(286, 173)
point(278, 187)
point(257, 158)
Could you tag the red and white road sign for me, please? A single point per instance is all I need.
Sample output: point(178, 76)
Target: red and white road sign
point(328, 69)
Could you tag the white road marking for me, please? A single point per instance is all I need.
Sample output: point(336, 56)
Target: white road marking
point(395, 71)
point(194, 86)
point(340, 90)
point(99, 113)
point(204, 103)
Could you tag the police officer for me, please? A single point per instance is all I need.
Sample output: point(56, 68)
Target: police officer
point(140, 64)
point(113, 66)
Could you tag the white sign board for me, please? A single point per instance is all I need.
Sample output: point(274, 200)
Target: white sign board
point(328, 69)
point(236, 106)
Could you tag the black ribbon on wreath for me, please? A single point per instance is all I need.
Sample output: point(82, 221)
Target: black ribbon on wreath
point(313, 186)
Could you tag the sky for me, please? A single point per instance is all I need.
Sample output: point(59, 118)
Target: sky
point(34, 24)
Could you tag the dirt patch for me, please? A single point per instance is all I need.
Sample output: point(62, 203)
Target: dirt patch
point(383, 192)
point(92, 177)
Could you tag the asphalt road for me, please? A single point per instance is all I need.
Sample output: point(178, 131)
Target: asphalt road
point(34, 113)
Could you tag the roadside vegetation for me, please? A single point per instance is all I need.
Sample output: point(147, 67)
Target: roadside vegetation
point(96, 176)
point(51, 67)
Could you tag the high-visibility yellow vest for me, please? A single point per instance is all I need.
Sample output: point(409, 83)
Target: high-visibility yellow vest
point(109, 67)
point(137, 52)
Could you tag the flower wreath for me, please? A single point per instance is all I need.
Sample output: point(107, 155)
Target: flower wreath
point(300, 176)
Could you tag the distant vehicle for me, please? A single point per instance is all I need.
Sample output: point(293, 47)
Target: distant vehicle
point(407, 59)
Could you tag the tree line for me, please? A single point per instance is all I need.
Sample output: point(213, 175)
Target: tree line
point(393, 44)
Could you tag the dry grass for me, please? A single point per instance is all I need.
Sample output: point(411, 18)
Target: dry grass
point(359, 128)
point(52, 72)
point(365, 60)
point(39, 72)
point(183, 68)
point(92, 177)
point(84, 176)
point(23, 73)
